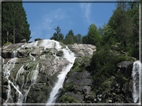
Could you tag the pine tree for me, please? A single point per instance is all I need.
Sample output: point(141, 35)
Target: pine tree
point(121, 23)
point(93, 36)
point(70, 38)
point(14, 22)
point(57, 35)
point(78, 38)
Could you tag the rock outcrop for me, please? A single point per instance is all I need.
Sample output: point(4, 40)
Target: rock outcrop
point(83, 49)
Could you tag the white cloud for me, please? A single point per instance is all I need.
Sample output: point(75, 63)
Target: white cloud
point(47, 24)
point(86, 8)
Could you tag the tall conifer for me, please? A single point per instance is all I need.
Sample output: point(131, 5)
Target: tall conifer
point(14, 22)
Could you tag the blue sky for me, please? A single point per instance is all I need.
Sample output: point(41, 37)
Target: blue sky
point(45, 17)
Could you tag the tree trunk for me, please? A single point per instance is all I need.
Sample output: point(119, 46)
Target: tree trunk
point(14, 29)
point(7, 36)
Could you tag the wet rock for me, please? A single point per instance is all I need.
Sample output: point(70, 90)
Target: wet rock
point(22, 53)
point(6, 54)
point(59, 53)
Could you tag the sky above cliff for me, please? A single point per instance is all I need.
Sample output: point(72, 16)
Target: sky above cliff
point(44, 17)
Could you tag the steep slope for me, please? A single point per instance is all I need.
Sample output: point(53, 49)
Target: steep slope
point(104, 78)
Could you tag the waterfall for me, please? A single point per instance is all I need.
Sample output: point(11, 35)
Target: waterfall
point(21, 70)
point(7, 70)
point(136, 75)
point(32, 57)
point(8, 67)
point(34, 74)
point(68, 55)
point(18, 86)
point(14, 54)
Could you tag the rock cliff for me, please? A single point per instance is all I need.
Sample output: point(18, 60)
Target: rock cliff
point(30, 71)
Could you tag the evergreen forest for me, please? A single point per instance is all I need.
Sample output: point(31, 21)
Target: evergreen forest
point(122, 30)
point(15, 26)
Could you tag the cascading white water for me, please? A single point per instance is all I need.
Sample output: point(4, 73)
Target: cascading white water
point(32, 57)
point(34, 74)
point(14, 53)
point(68, 55)
point(136, 75)
point(21, 70)
point(24, 89)
point(7, 69)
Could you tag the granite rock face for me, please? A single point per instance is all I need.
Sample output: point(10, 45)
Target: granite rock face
point(83, 49)
point(36, 68)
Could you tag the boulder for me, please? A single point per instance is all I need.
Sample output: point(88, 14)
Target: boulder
point(6, 54)
point(23, 41)
point(22, 53)
point(37, 39)
point(36, 52)
point(124, 64)
point(125, 67)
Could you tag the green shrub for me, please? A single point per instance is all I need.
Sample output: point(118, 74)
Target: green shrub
point(68, 99)
point(104, 64)
point(68, 87)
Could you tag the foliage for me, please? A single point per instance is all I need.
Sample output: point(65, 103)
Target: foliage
point(15, 26)
point(68, 99)
point(104, 63)
point(122, 28)
point(57, 35)
point(68, 87)
point(78, 38)
point(70, 38)
point(93, 36)
point(108, 37)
